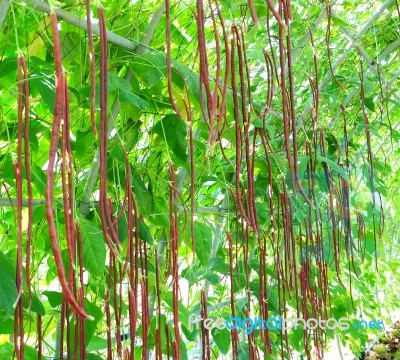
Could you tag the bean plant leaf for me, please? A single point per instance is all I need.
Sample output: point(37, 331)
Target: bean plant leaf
point(142, 195)
point(339, 21)
point(39, 179)
point(46, 87)
point(182, 310)
point(54, 297)
point(33, 303)
point(133, 99)
point(173, 131)
point(333, 166)
point(190, 334)
point(90, 325)
point(96, 343)
point(94, 248)
point(144, 233)
point(150, 68)
point(30, 353)
point(223, 339)
point(8, 289)
point(117, 83)
point(203, 238)
point(6, 351)
point(7, 326)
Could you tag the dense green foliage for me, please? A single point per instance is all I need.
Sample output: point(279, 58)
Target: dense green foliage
point(341, 92)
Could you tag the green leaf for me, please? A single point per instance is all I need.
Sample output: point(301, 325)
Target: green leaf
point(338, 21)
point(117, 83)
point(138, 352)
point(94, 248)
point(130, 98)
point(54, 297)
point(8, 67)
point(144, 233)
point(190, 335)
point(84, 141)
point(96, 343)
point(367, 83)
point(177, 35)
point(8, 70)
point(122, 228)
point(7, 170)
point(191, 79)
point(8, 289)
point(160, 216)
point(173, 131)
point(70, 45)
point(39, 179)
point(256, 54)
point(35, 304)
point(117, 153)
point(263, 212)
point(190, 275)
point(44, 83)
point(131, 133)
point(369, 103)
point(150, 68)
point(219, 265)
point(6, 351)
point(222, 338)
point(255, 287)
point(333, 166)
point(30, 353)
point(90, 325)
point(273, 301)
point(182, 310)
point(258, 123)
point(296, 336)
point(243, 351)
point(92, 356)
point(142, 195)
point(202, 243)
point(6, 327)
point(39, 213)
point(212, 278)
point(183, 350)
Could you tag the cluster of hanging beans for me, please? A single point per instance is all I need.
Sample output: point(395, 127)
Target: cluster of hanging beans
point(281, 241)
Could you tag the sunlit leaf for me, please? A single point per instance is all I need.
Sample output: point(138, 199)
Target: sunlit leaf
point(94, 248)
point(203, 239)
point(8, 289)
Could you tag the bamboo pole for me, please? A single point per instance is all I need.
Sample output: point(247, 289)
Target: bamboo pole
point(4, 5)
point(12, 202)
point(81, 23)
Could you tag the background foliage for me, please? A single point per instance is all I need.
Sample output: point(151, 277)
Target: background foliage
point(180, 185)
